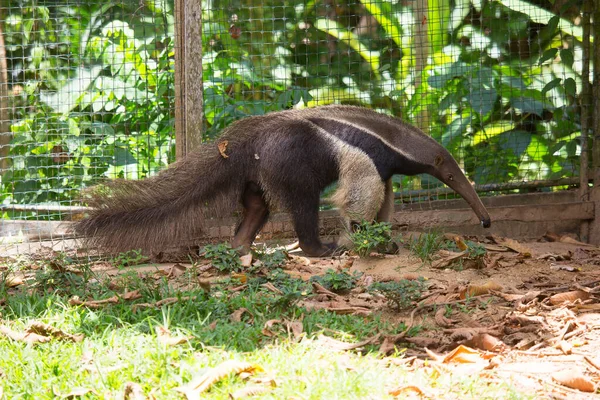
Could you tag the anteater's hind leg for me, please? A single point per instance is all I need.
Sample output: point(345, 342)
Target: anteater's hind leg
point(256, 213)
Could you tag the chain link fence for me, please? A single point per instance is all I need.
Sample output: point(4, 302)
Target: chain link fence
point(87, 88)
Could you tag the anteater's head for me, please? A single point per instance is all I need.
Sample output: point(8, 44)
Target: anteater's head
point(444, 167)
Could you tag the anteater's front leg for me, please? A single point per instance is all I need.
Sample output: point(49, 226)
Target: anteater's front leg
point(358, 200)
point(387, 208)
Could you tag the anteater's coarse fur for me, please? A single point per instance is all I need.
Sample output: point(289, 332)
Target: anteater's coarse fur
point(281, 161)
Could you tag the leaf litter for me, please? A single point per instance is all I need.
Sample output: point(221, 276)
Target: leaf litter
point(527, 313)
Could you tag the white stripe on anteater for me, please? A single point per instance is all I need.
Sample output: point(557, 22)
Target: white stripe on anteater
point(374, 134)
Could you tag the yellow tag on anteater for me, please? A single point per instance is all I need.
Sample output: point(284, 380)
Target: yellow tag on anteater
point(223, 148)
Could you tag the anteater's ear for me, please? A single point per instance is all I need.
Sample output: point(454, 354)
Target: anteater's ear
point(439, 160)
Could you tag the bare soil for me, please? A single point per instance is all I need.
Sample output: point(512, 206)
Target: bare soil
point(528, 312)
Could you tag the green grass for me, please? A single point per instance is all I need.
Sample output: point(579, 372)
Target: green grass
point(121, 345)
point(426, 244)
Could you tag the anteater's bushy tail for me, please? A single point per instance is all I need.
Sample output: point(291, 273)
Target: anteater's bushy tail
point(164, 210)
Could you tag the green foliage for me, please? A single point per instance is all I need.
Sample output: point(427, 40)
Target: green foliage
point(370, 236)
point(93, 83)
point(475, 250)
point(337, 281)
point(402, 294)
point(98, 85)
point(271, 259)
point(223, 257)
point(132, 257)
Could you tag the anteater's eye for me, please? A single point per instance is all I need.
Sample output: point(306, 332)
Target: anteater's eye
point(450, 177)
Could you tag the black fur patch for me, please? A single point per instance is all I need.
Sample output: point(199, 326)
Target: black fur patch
point(387, 161)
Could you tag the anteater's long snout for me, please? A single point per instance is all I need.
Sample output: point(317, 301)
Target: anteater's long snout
point(462, 186)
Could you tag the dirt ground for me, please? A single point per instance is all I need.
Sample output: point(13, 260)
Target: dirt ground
point(525, 312)
point(528, 312)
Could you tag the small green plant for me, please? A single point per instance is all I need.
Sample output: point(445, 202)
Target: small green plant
point(128, 258)
point(402, 294)
point(426, 244)
point(448, 310)
point(223, 257)
point(370, 236)
point(271, 259)
point(475, 250)
point(337, 281)
point(474, 254)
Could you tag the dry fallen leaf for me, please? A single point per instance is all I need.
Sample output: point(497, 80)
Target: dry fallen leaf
point(249, 391)
point(27, 337)
point(246, 260)
point(222, 146)
point(197, 386)
point(513, 245)
point(447, 258)
point(48, 330)
point(268, 325)
point(486, 342)
point(478, 290)
point(75, 301)
point(403, 390)
point(271, 287)
point(176, 270)
point(296, 328)
point(523, 298)
point(411, 277)
point(242, 278)
point(133, 391)
point(574, 380)
point(12, 281)
point(441, 320)
point(236, 316)
point(565, 347)
point(568, 297)
point(461, 355)
point(491, 247)
point(460, 243)
point(165, 338)
point(134, 294)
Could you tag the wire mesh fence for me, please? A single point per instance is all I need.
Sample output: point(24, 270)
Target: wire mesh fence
point(88, 94)
point(497, 83)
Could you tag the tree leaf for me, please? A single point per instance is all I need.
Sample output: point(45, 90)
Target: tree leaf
point(551, 85)
point(570, 86)
point(566, 55)
point(547, 55)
